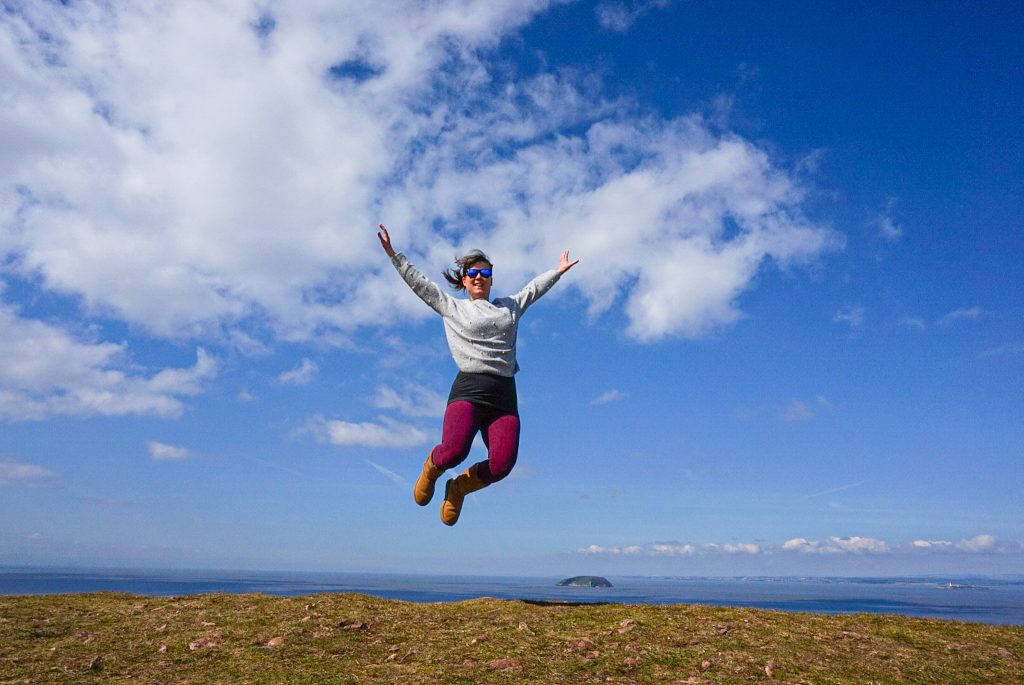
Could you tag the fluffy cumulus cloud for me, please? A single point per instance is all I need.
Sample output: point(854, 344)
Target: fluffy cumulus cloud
point(613, 551)
point(228, 161)
point(741, 548)
point(672, 549)
point(979, 543)
point(385, 433)
point(47, 371)
point(837, 545)
point(411, 400)
point(931, 544)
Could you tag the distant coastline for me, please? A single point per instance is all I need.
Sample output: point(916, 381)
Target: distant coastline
point(997, 600)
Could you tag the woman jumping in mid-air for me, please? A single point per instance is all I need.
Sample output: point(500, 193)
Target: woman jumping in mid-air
point(482, 338)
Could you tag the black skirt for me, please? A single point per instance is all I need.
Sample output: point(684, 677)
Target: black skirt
point(487, 389)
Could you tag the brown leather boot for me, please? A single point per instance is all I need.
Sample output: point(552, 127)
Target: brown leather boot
point(423, 491)
point(455, 491)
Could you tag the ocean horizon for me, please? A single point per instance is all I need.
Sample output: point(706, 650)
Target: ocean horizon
point(997, 600)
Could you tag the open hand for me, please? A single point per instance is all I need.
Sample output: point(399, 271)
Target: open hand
point(564, 264)
point(385, 241)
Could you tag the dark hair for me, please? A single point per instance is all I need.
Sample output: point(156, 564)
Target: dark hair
point(454, 276)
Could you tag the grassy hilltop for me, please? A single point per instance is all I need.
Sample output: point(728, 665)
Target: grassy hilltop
point(345, 638)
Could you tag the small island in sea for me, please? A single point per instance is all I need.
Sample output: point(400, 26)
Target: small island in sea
point(585, 581)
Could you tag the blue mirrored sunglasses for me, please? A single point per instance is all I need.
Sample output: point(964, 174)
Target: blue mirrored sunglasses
point(486, 273)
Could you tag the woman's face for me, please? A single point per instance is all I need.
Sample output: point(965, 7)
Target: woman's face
point(478, 285)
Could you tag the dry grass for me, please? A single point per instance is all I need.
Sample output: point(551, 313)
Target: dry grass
point(325, 639)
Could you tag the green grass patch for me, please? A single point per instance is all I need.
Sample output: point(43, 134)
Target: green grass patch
point(347, 639)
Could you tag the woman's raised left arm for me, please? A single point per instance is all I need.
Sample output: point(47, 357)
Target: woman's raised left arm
point(542, 283)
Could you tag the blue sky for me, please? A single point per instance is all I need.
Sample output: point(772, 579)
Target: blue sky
point(794, 343)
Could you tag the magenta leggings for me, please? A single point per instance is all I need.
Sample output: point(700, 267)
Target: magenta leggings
point(462, 420)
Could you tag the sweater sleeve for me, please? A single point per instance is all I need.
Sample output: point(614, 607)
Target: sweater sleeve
point(428, 291)
point(535, 288)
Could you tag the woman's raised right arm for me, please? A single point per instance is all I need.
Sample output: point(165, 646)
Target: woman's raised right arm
point(428, 291)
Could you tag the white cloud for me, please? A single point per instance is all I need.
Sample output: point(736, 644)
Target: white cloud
point(617, 15)
point(387, 433)
point(158, 451)
point(389, 474)
point(673, 549)
point(609, 396)
point(670, 549)
point(412, 400)
point(613, 551)
point(125, 154)
point(796, 411)
point(15, 473)
point(832, 546)
point(614, 16)
point(887, 226)
point(797, 545)
point(859, 544)
point(961, 314)
point(854, 316)
point(45, 371)
point(741, 548)
point(302, 375)
point(837, 545)
point(889, 229)
point(731, 548)
point(979, 543)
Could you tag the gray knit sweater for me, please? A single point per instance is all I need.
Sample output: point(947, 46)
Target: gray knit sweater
point(481, 334)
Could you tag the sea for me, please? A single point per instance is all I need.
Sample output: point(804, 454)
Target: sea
point(993, 600)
